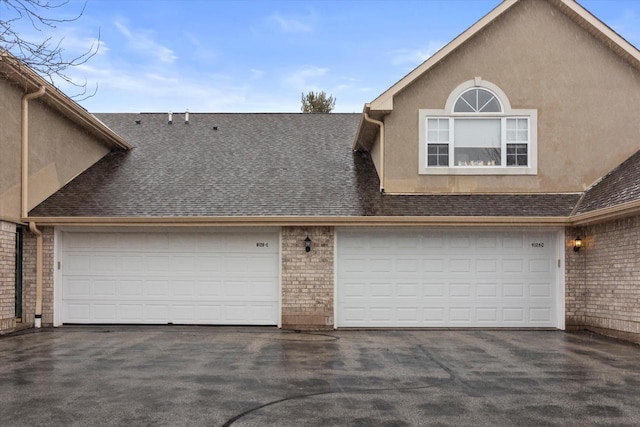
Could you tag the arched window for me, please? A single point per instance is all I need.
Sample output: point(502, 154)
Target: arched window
point(477, 100)
point(478, 133)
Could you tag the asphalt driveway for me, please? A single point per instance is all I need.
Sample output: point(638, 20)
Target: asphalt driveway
point(171, 375)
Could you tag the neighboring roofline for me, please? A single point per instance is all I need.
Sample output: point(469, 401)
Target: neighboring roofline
point(607, 214)
point(280, 221)
point(579, 14)
point(21, 74)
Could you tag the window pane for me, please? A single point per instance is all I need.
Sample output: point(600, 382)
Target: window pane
point(438, 130)
point(462, 107)
point(477, 101)
point(492, 106)
point(477, 133)
point(517, 155)
point(523, 135)
point(438, 155)
point(477, 156)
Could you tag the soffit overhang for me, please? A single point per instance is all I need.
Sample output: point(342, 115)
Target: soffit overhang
point(24, 77)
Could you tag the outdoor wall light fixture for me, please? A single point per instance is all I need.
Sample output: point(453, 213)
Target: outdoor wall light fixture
point(577, 244)
point(307, 244)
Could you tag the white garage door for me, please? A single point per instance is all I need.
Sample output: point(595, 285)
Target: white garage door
point(170, 277)
point(436, 278)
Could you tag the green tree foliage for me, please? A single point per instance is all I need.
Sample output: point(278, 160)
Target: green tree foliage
point(317, 102)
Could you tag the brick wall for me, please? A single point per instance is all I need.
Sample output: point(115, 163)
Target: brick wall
point(29, 277)
point(307, 278)
point(603, 279)
point(7, 276)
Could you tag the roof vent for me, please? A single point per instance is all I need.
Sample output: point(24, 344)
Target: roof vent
point(186, 117)
point(170, 118)
point(138, 121)
point(215, 128)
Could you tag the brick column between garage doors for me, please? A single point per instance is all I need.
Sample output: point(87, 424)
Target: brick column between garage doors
point(307, 278)
point(7, 276)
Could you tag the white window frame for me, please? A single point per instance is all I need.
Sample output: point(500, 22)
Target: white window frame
point(507, 113)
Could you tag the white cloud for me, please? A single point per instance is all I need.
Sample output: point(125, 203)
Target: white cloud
point(306, 78)
point(292, 24)
point(414, 57)
point(143, 42)
point(256, 74)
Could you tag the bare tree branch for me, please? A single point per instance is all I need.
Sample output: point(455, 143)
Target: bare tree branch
point(46, 56)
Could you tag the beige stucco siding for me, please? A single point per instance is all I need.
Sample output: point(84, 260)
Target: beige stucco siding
point(375, 152)
point(58, 151)
point(586, 96)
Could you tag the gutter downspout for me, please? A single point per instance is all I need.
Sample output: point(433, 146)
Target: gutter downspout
point(24, 207)
point(38, 318)
point(381, 125)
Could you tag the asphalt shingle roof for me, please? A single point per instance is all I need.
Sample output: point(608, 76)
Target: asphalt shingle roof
point(257, 165)
point(621, 185)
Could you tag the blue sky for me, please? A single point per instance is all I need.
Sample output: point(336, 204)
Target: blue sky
point(259, 56)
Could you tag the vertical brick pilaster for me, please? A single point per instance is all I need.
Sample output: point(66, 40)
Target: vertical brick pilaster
point(602, 280)
point(307, 278)
point(7, 276)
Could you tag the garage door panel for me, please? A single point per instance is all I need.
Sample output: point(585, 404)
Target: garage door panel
point(260, 289)
point(513, 266)
point(209, 313)
point(209, 264)
point(486, 266)
point(433, 265)
point(460, 314)
point(513, 314)
point(78, 263)
point(210, 288)
point(513, 242)
point(513, 290)
point(489, 315)
point(157, 288)
point(407, 290)
point(405, 315)
point(78, 312)
point(205, 278)
point(434, 290)
point(459, 290)
point(539, 266)
point(458, 242)
point(488, 278)
point(130, 313)
point(156, 313)
point(542, 314)
point(460, 265)
point(434, 316)
point(156, 264)
point(487, 290)
point(129, 288)
point(540, 290)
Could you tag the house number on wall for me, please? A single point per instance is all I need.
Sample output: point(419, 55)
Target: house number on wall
point(262, 244)
point(537, 245)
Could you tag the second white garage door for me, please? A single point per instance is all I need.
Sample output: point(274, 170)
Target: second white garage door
point(440, 278)
point(170, 277)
